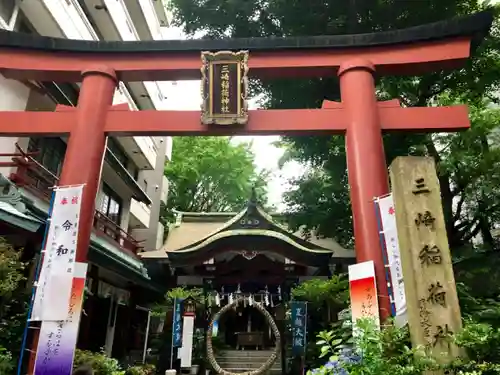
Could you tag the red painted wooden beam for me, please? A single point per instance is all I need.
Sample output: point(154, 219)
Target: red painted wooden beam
point(29, 124)
point(290, 121)
point(411, 58)
point(261, 122)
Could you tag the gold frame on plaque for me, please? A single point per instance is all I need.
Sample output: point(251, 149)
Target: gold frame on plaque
point(209, 59)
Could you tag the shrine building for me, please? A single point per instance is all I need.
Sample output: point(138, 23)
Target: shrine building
point(248, 254)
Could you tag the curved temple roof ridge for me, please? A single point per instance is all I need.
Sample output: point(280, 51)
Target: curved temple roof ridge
point(476, 25)
point(197, 234)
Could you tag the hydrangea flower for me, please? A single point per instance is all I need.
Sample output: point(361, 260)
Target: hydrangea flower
point(337, 367)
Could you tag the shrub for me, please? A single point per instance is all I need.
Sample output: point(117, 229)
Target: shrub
point(14, 297)
point(7, 363)
point(147, 369)
point(388, 351)
point(100, 362)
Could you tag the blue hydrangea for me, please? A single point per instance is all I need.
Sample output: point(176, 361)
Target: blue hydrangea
point(337, 367)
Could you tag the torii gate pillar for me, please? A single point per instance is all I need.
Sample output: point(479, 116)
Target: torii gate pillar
point(366, 165)
point(85, 155)
point(87, 145)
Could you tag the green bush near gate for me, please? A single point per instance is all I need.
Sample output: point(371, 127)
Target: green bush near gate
point(325, 298)
point(160, 309)
point(389, 351)
point(104, 365)
point(13, 305)
point(141, 370)
point(7, 363)
point(100, 362)
point(480, 337)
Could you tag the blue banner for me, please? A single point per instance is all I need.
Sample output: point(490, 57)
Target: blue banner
point(177, 324)
point(299, 327)
point(215, 328)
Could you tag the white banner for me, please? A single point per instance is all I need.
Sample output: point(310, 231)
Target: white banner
point(54, 283)
point(57, 340)
point(390, 235)
point(186, 351)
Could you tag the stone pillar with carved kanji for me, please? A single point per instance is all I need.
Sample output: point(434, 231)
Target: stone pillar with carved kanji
point(431, 295)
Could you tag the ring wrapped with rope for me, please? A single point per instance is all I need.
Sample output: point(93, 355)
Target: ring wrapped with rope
point(274, 328)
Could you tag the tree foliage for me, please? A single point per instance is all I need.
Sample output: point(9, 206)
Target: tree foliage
point(467, 162)
point(13, 305)
point(320, 198)
point(212, 174)
point(320, 292)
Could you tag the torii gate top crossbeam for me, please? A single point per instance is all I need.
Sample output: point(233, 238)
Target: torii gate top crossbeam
point(413, 50)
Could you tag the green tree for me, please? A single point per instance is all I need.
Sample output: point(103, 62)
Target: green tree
point(320, 198)
point(13, 304)
point(467, 162)
point(212, 174)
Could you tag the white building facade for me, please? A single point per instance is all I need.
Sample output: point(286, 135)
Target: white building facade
point(133, 185)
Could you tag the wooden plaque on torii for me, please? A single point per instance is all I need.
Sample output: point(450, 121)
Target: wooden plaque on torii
point(224, 87)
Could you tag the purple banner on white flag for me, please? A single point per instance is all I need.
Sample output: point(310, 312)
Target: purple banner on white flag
point(54, 283)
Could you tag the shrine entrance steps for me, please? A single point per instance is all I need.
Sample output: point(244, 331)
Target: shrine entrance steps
point(247, 360)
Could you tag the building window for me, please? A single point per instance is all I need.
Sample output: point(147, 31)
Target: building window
point(117, 150)
point(49, 152)
point(111, 205)
point(7, 9)
point(135, 172)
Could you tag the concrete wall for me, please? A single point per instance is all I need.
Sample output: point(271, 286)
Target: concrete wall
point(66, 18)
point(154, 234)
point(13, 97)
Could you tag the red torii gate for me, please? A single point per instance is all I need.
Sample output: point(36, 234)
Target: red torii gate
point(354, 58)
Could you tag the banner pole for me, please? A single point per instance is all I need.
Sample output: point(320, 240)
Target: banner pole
point(173, 333)
point(35, 285)
point(145, 349)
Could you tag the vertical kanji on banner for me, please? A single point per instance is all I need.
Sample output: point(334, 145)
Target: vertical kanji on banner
point(54, 283)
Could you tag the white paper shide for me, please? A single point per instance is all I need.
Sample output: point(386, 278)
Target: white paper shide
point(390, 234)
point(54, 283)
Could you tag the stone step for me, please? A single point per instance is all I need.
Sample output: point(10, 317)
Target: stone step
point(250, 365)
point(245, 353)
point(239, 369)
point(245, 359)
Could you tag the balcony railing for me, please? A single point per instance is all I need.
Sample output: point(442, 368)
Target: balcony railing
point(107, 227)
point(33, 176)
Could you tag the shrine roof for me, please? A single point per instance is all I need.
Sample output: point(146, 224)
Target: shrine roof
point(11, 215)
point(476, 25)
point(195, 234)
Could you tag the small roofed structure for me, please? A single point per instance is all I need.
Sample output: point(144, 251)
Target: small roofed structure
point(203, 244)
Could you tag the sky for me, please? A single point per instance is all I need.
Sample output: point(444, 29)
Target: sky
point(185, 95)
